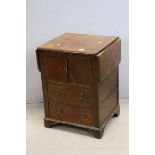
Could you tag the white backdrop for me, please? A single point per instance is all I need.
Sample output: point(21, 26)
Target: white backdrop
point(47, 19)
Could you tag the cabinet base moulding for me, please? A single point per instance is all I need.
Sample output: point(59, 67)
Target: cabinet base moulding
point(97, 132)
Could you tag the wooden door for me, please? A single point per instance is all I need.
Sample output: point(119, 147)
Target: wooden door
point(56, 68)
point(79, 69)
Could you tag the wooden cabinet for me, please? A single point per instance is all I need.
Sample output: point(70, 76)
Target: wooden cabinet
point(80, 80)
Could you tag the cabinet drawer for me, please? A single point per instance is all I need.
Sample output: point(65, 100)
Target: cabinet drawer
point(72, 114)
point(69, 94)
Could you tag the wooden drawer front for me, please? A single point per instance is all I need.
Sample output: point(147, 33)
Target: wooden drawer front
point(79, 69)
point(84, 116)
point(60, 112)
point(72, 114)
point(56, 68)
point(72, 95)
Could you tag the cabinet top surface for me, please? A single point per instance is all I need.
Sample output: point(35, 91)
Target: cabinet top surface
point(79, 43)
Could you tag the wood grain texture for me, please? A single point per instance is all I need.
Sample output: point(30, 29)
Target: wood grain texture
point(56, 68)
point(71, 42)
point(109, 59)
point(72, 114)
point(106, 86)
point(70, 94)
point(106, 107)
point(80, 87)
point(79, 69)
point(44, 87)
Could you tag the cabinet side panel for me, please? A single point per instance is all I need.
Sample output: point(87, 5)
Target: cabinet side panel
point(107, 85)
point(95, 73)
point(38, 61)
point(44, 86)
point(109, 59)
point(107, 106)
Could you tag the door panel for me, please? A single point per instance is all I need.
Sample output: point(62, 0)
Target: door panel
point(56, 68)
point(79, 70)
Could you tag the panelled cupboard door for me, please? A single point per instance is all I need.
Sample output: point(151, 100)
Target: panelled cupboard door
point(79, 69)
point(67, 69)
point(56, 68)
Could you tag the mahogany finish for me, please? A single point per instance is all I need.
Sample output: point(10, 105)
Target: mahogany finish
point(80, 80)
point(62, 93)
point(72, 114)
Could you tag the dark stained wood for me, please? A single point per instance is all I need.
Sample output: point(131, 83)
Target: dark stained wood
point(44, 88)
point(81, 96)
point(107, 85)
point(56, 68)
point(107, 106)
point(49, 123)
point(38, 60)
point(72, 42)
point(72, 114)
point(79, 69)
point(80, 87)
point(109, 59)
point(97, 133)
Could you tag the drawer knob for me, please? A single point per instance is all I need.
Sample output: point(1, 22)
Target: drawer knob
point(57, 93)
point(82, 115)
point(81, 97)
point(59, 110)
